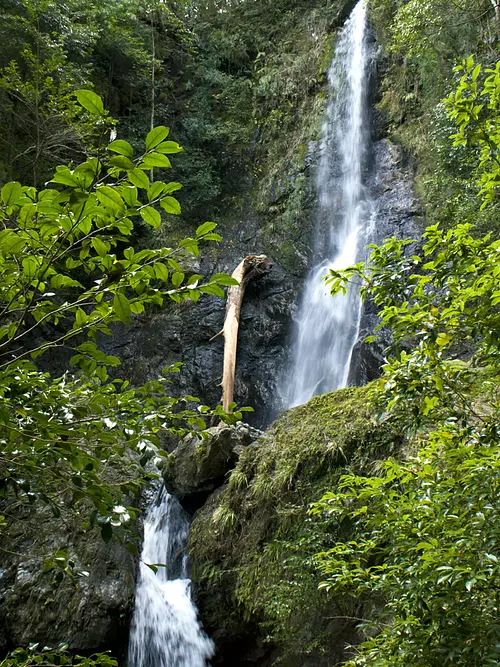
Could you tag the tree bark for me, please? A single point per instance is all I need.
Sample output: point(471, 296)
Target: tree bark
point(253, 267)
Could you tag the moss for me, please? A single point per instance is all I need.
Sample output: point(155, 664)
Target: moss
point(254, 543)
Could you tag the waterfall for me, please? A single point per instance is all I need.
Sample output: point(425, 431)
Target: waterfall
point(165, 631)
point(327, 329)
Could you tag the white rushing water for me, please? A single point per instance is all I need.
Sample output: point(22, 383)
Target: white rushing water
point(165, 630)
point(326, 328)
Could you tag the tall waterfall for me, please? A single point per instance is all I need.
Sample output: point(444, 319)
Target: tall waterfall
point(326, 328)
point(165, 630)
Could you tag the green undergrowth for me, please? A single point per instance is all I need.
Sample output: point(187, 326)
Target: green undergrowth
point(254, 543)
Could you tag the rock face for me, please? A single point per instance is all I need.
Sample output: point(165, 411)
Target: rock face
point(200, 465)
point(183, 333)
point(397, 212)
point(90, 613)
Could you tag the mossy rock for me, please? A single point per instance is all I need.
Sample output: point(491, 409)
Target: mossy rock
point(254, 542)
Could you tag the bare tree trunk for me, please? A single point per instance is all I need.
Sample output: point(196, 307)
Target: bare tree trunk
point(253, 267)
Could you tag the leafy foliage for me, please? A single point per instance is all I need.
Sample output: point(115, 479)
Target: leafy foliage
point(68, 272)
point(253, 544)
point(424, 533)
point(476, 110)
point(48, 657)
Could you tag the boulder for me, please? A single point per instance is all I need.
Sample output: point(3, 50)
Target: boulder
point(200, 464)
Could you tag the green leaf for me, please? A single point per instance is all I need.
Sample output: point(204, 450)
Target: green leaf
point(205, 228)
point(156, 160)
point(212, 289)
point(11, 242)
point(90, 101)
point(110, 198)
point(171, 205)
point(172, 187)
point(168, 148)
point(11, 193)
point(138, 177)
point(58, 281)
point(121, 307)
point(121, 162)
point(156, 190)
point(177, 279)
point(212, 237)
point(100, 247)
point(129, 194)
point(122, 147)
point(224, 279)
point(156, 136)
point(64, 176)
point(151, 216)
point(161, 271)
point(107, 531)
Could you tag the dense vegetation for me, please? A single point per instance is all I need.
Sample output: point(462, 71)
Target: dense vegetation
point(402, 553)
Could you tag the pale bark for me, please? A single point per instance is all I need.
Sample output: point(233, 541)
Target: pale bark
point(252, 267)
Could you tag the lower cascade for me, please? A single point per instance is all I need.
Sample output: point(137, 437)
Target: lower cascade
point(326, 328)
point(165, 630)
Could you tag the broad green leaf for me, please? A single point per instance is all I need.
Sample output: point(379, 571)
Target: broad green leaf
point(156, 136)
point(122, 147)
point(11, 193)
point(110, 198)
point(30, 267)
point(121, 307)
point(151, 216)
point(129, 194)
point(212, 289)
point(172, 187)
point(80, 318)
point(191, 245)
point(106, 532)
point(224, 279)
point(156, 160)
point(205, 228)
point(100, 247)
point(157, 188)
point(174, 264)
point(90, 101)
point(11, 242)
point(168, 148)
point(121, 162)
point(177, 279)
point(171, 205)
point(138, 177)
point(161, 271)
point(58, 281)
point(64, 176)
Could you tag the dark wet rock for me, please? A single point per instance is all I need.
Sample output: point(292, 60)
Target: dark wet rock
point(90, 613)
point(397, 212)
point(184, 332)
point(200, 465)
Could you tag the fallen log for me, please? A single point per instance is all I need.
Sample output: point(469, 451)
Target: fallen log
point(252, 267)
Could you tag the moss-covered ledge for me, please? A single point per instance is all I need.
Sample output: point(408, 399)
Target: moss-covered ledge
point(253, 543)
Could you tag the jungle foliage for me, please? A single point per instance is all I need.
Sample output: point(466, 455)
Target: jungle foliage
point(423, 41)
point(77, 442)
point(422, 552)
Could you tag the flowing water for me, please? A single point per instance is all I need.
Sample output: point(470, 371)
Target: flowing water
point(165, 630)
point(326, 328)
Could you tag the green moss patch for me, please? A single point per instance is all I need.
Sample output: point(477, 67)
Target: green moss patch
point(254, 543)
